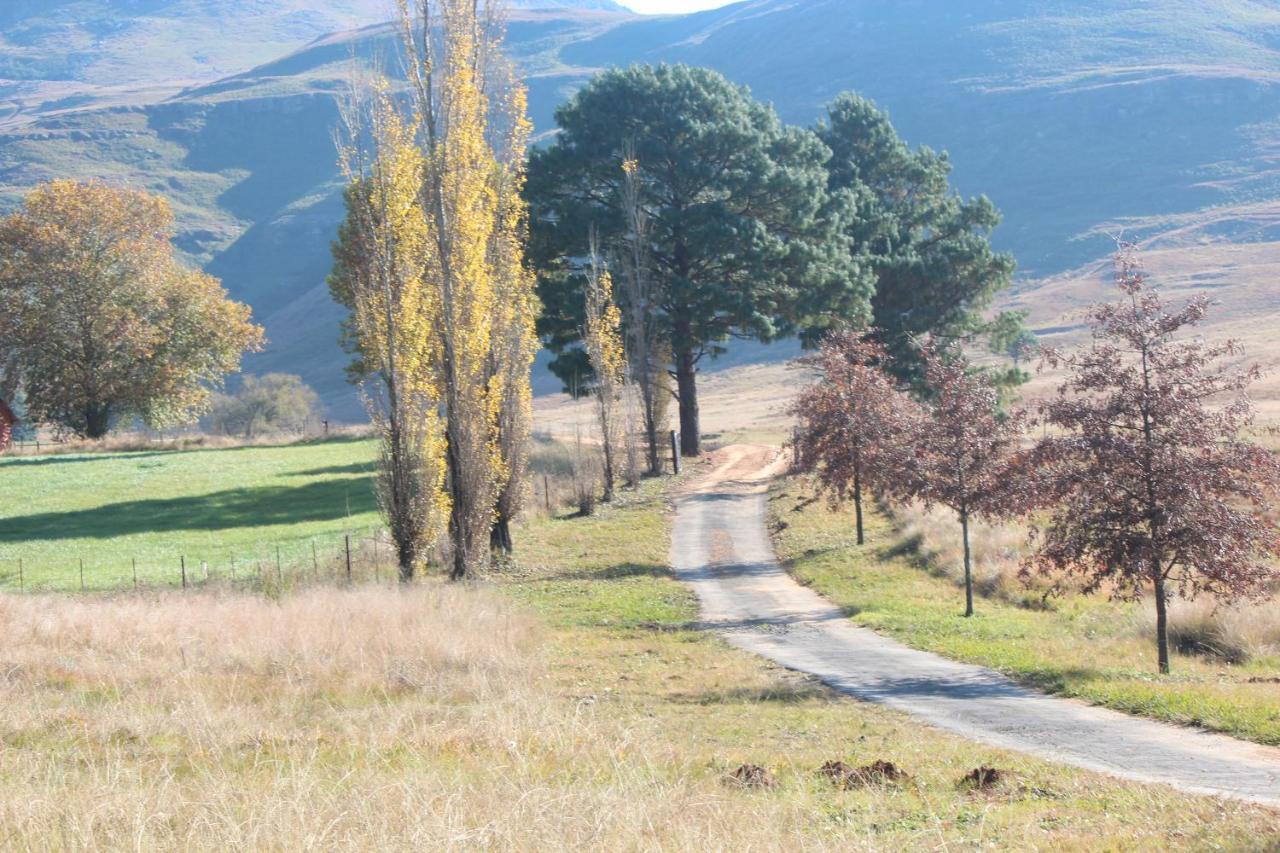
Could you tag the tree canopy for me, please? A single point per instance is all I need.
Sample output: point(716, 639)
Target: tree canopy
point(1153, 482)
point(935, 270)
point(744, 238)
point(99, 319)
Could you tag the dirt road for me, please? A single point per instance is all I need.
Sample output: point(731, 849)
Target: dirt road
point(721, 547)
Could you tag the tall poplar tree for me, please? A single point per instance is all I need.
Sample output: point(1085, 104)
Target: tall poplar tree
point(742, 237)
point(378, 276)
point(473, 132)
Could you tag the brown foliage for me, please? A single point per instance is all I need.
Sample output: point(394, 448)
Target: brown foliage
point(963, 448)
point(1152, 481)
point(852, 420)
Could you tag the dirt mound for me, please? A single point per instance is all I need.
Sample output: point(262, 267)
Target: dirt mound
point(875, 773)
point(752, 776)
point(983, 778)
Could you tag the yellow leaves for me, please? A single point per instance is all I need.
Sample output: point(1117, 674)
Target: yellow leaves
point(104, 321)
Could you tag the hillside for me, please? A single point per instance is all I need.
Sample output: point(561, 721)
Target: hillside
point(1079, 120)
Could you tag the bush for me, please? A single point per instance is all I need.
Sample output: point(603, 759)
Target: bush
point(271, 404)
point(1233, 633)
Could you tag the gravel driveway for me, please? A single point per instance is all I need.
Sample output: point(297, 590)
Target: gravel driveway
point(722, 549)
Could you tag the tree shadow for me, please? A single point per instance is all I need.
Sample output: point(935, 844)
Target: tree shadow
point(262, 506)
point(354, 468)
point(622, 571)
point(788, 694)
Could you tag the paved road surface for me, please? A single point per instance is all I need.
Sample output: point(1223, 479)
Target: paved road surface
point(721, 547)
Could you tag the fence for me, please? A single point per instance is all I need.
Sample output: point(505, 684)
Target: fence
point(353, 558)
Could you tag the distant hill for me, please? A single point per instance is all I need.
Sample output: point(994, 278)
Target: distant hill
point(1079, 119)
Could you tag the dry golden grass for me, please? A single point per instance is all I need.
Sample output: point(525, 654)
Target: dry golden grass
point(1236, 633)
point(445, 717)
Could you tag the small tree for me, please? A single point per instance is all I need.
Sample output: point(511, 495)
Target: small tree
point(1154, 484)
point(98, 319)
point(602, 339)
point(645, 356)
point(962, 447)
point(852, 420)
point(274, 403)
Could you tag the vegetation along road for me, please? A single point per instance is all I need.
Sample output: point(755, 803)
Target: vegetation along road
point(721, 547)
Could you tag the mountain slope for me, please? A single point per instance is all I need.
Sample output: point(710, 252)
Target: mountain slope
point(1079, 119)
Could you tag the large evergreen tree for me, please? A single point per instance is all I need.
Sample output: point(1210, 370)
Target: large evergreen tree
point(935, 269)
point(745, 238)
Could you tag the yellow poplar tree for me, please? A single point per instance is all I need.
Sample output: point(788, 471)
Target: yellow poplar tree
point(383, 251)
point(602, 338)
point(473, 128)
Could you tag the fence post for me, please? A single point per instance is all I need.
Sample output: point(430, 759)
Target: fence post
point(315, 561)
point(546, 491)
point(346, 544)
point(279, 570)
point(21, 579)
point(675, 452)
point(233, 568)
point(184, 572)
point(82, 574)
point(135, 574)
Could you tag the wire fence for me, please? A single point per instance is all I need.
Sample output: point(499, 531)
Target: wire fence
point(360, 557)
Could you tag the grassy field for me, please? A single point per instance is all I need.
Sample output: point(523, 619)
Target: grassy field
point(1088, 648)
point(209, 506)
point(569, 704)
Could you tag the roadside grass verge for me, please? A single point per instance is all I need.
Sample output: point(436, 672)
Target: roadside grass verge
point(1083, 647)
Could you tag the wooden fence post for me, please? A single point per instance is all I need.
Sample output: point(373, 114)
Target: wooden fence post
point(135, 574)
point(184, 571)
point(279, 570)
point(347, 544)
point(21, 579)
point(546, 491)
point(675, 452)
point(82, 574)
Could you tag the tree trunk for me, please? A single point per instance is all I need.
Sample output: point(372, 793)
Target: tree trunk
point(651, 436)
point(97, 421)
point(857, 492)
point(968, 566)
point(407, 558)
point(687, 388)
point(500, 541)
point(1162, 623)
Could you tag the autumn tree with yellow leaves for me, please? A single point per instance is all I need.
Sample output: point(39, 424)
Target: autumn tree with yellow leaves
point(452, 236)
point(380, 258)
point(602, 340)
point(100, 322)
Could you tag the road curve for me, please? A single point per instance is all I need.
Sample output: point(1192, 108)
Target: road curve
point(721, 548)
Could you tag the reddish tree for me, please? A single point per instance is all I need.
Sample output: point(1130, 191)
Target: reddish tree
point(1153, 483)
point(851, 420)
point(963, 447)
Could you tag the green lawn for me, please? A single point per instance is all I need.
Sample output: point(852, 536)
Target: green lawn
point(209, 506)
point(1083, 647)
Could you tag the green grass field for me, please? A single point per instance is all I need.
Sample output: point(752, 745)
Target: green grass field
point(1088, 648)
point(209, 506)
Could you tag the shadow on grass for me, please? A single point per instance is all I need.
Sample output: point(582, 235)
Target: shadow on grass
point(790, 694)
point(262, 506)
point(624, 571)
point(354, 468)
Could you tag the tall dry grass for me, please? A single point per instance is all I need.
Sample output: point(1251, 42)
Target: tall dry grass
point(1236, 633)
point(369, 719)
